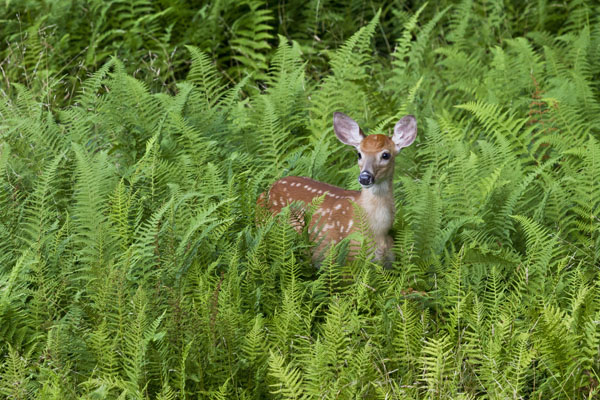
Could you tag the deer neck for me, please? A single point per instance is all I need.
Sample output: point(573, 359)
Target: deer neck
point(378, 204)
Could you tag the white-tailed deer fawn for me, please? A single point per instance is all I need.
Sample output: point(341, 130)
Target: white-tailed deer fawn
point(335, 218)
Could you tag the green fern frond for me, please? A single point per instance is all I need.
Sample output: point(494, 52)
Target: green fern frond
point(505, 129)
point(205, 76)
point(460, 22)
point(348, 67)
point(92, 232)
point(140, 331)
point(38, 219)
point(404, 42)
point(251, 33)
point(437, 365)
point(288, 379)
point(16, 381)
point(423, 212)
point(408, 340)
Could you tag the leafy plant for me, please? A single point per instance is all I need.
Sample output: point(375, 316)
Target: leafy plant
point(136, 137)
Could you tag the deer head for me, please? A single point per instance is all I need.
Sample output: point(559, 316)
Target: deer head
point(376, 153)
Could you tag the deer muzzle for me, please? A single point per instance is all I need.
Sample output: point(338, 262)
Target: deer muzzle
point(366, 178)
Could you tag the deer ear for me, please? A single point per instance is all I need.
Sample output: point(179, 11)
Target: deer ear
point(405, 132)
point(347, 130)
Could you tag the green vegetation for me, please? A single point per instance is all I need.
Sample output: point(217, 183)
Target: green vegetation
point(136, 136)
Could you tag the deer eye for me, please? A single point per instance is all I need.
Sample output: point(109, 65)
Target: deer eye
point(385, 156)
point(359, 155)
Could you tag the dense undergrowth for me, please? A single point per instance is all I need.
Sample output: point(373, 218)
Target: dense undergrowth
point(130, 262)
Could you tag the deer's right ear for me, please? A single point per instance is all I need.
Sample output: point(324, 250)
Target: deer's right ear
point(347, 130)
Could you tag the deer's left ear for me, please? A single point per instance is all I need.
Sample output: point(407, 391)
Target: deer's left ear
point(405, 132)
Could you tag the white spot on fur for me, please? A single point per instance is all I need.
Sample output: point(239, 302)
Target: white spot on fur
point(327, 227)
point(338, 207)
point(275, 203)
point(349, 225)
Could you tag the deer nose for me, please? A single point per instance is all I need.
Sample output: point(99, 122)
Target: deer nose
point(366, 178)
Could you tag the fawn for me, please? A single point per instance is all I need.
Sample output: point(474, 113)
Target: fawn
point(335, 218)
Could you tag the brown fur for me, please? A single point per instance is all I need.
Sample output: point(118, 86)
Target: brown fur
point(377, 143)
point(331, 222)
point(335, 218)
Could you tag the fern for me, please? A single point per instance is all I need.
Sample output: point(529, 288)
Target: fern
point(37, 221)
point(250, 35)
point(138, 336)
point(15, 382)
point(436, 361)
point(408, 336)
point(288, 379)
point(348, 67)
point(92, 236)
point(136, 137)
point(205, 76)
